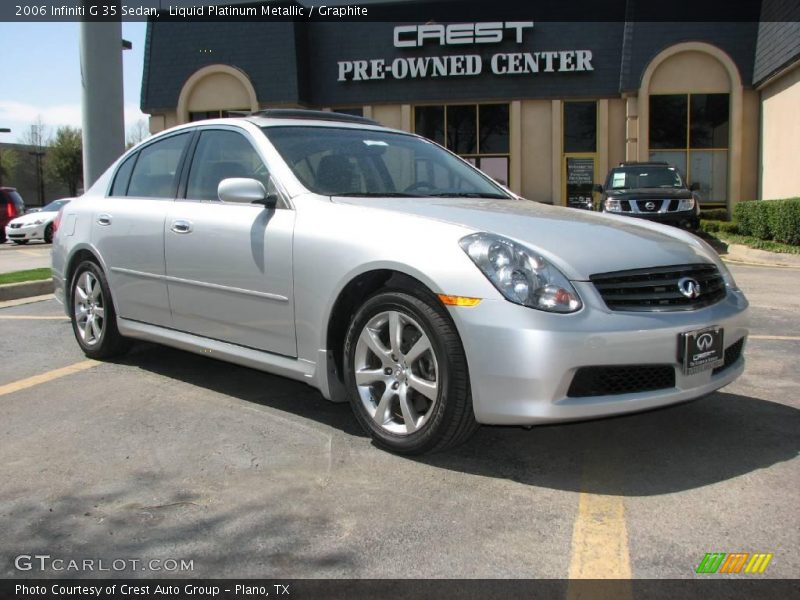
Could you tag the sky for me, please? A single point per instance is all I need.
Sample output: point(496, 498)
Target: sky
point(40, 75)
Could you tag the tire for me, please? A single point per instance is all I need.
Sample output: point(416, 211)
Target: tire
point(20, 242)
point(413, 397)
point(94, 321)
point(48, 234)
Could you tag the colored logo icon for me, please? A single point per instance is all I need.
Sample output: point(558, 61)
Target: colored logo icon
point(736, 562)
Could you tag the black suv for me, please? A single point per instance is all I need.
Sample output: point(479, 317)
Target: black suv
point(650, 190)
point(11, 207)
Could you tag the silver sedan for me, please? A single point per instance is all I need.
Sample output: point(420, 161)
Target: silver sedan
point(385, 271)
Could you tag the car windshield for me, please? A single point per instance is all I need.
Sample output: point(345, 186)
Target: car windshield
point(645, 177)
point(54, 206)
point(360, 162)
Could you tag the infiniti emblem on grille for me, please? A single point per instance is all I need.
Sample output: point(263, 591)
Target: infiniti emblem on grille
point(689, 287)
point(650, 205)
point(705, 341)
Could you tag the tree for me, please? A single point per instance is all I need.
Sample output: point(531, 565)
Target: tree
point(37, 135)
point(9, 163)
point(137, 133)
point(65, 158)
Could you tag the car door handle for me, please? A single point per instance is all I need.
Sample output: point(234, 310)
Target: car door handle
point(104, 219)
point(181, 226)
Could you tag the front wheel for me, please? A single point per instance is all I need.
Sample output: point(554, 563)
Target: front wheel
point(94, 321)
point(48, 234)
point(406, 374)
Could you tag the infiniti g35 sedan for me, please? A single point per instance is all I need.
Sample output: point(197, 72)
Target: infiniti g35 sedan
point(389, 273)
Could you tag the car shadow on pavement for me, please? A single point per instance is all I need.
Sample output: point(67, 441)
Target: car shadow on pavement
point(151, 518)
point(676, 448)
point(682, 447)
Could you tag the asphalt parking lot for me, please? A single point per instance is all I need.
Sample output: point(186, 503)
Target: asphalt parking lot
point(15, 257)
point(167, 455)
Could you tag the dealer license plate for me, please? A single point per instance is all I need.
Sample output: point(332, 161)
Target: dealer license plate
point(702, 349)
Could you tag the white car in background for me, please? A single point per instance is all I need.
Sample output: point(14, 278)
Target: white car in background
point(35, 225)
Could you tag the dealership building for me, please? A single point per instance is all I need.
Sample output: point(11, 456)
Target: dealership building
point(544, 107)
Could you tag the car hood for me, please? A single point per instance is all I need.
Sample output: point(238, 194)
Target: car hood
point(659, 193)
point(31, 218)
point(580, 243)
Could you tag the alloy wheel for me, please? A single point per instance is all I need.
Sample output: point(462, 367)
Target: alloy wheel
point(396, 372)
point(89, 308)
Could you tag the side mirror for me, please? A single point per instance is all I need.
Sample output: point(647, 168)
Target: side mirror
point(597, 188)
point(694, 187)
point(242, 190)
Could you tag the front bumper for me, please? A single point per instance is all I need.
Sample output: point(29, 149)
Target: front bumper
point(522, 361)
point(26, 232)
point(685, 219)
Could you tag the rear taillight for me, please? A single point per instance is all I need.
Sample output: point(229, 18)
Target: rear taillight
point(57, 220)
point(11, 210)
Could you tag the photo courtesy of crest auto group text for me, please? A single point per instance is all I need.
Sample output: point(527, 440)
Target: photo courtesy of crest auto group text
point(400, 298)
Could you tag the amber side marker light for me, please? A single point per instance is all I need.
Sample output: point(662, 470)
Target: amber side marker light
point(458, 300)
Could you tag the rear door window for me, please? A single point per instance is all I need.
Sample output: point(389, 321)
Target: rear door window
point(123, 176)
point(155, 174)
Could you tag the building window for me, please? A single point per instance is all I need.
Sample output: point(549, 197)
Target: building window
point(215, 114)
point(690, 132)
point(580, 126)
point(476, 132)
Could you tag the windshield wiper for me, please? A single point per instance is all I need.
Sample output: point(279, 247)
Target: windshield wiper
point(469, 195)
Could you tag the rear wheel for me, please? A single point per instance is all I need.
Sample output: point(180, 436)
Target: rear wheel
point(94, 321)
point(406, 374)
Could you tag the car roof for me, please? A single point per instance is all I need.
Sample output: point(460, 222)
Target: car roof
point(312, 115)
point(653, 163)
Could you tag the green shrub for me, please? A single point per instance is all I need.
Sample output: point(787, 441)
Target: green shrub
point(743, 214)
point(785, 221)
point(715, 214)
point(714, 226)
point(770, 219)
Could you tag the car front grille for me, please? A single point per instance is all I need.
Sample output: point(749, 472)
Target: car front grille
point(627, 379)
point(657, 289)
point(649, 206)
point(732, 354)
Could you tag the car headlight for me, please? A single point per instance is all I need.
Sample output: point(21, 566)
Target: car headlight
point(612, 205)
point(686, 204)
point(521, 275)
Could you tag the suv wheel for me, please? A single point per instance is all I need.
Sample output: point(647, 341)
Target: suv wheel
point(406, 374)
point(94, 321)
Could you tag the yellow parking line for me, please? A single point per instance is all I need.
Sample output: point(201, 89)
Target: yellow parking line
point(28, 300)
point(22, 384)
point(599, 548)
point(600, 539)
point(35, 318)
point(785, 338)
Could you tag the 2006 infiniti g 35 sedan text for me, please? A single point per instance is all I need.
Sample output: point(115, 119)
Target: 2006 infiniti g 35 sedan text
point(386, 271)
